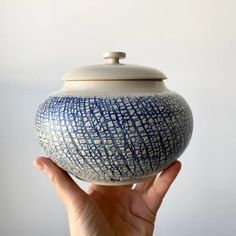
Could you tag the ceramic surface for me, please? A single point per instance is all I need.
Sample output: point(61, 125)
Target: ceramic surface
point(114, 139)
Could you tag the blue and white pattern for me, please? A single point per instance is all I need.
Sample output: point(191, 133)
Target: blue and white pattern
point(114, 139)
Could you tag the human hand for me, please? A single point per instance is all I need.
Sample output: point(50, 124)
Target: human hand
point(110, 210)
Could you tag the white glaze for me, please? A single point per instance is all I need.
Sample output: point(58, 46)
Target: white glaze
point(114, 70)
point(112, 88)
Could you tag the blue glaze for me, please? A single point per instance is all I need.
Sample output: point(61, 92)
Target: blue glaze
point(114, 139)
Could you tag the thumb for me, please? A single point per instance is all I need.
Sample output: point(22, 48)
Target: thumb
point(69, 192)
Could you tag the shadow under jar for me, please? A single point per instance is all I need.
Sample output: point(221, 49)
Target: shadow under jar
point(114, 124)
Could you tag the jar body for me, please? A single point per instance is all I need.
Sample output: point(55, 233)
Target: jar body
point(114, 133)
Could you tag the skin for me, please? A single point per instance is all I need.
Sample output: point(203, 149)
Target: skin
point(106, 210)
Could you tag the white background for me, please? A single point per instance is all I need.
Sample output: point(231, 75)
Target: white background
point(192, 41)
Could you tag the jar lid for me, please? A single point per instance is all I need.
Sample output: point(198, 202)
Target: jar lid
point(114, 70)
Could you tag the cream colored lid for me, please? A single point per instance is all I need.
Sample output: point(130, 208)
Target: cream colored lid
point(114, 70)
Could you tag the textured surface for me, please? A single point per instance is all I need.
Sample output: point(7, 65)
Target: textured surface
point(120, 139)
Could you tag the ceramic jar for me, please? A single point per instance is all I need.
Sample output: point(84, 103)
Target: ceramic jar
point(114, 123)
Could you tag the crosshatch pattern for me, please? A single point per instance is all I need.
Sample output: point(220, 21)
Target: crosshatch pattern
point(114, 139)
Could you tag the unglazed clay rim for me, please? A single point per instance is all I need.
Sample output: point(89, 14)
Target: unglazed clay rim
point(125, 183)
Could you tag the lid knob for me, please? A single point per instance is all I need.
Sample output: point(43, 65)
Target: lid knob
point(114, 57)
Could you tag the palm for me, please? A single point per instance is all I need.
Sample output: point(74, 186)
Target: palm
point(124, 211)
point(108, 211)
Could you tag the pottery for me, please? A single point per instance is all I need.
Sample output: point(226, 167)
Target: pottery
point(114, 124)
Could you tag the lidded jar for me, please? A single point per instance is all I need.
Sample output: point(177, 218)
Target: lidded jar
point(114, 123)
